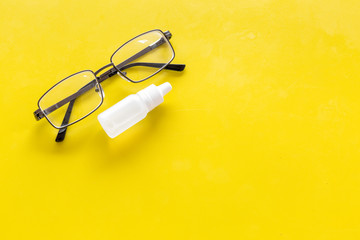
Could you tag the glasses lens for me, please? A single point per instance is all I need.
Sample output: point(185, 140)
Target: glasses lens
point(80, 91)
point(143, 56)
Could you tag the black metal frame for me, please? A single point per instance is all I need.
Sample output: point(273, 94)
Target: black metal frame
point(61, 103)
point(116, 69)
point(167, 36)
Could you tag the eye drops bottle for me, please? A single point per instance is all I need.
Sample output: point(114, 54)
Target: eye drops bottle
point(132, 109)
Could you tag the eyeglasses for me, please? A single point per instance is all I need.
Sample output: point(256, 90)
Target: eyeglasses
point(80, 94)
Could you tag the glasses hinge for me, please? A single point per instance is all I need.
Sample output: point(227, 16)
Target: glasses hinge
point(168, 34)
point(38, 114)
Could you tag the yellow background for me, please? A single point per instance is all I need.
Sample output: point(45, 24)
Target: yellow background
point(259, 138)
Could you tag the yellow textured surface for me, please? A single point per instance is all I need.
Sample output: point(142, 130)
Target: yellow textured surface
point(259, 138)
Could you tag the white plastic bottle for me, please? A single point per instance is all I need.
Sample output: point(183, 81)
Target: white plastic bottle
point(132, 109)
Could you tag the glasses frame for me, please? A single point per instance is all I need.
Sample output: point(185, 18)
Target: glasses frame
point(116, 69)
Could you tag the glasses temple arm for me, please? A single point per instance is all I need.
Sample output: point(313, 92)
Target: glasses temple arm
point(61, 134)
point(174, 67)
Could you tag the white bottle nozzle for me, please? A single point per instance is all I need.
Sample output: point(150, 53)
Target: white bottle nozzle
point(165, 88)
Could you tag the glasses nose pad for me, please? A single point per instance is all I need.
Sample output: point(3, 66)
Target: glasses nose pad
point(99, 90)
point(122, 74)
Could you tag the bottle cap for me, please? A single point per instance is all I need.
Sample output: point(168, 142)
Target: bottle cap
point(154, 95)
point(165, 88)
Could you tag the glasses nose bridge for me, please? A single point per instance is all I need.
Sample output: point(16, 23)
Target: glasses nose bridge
point(102, 68)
